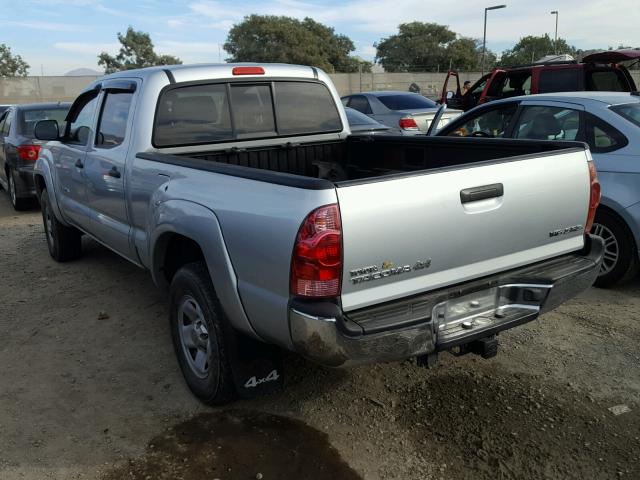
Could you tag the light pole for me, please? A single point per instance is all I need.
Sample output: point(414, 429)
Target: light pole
point(484, 37)
point(555, 43)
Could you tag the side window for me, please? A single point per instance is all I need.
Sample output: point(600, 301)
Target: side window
point(360, 103)
point(2, 121)
point(559, 80)
point(6, 128)
point(548, 123)
point(512, 85)
point(79, 129)
point(606, 81)
point(492, 123)
point(112, 124)
point(602, 137)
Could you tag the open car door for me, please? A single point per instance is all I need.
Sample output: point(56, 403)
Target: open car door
point(452, 98)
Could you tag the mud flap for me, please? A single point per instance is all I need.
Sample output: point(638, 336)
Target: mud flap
point(256, 367)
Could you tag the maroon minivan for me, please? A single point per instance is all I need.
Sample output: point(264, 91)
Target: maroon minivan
point(600, 71)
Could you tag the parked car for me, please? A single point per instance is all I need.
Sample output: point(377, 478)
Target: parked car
point(410, 112)
point(596, 72)
point(609, 123)
point(361, 124)
point(19, 148)
point(227, 209)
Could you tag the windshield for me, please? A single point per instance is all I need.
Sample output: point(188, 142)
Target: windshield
point(630, 111)
point(354, 117)
point(406, 102)
point(27, 119)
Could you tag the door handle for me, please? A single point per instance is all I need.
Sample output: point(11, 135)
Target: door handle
point(481, 193)
point(79, 164)
point(114, 172)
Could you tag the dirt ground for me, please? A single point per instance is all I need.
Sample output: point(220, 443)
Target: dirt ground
point(90, 389)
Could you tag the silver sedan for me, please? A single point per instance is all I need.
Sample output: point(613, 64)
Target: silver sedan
point(410, 112)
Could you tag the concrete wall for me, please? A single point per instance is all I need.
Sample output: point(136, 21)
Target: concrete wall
point(47, 89)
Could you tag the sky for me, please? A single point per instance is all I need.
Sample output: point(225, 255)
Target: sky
point(55, 36)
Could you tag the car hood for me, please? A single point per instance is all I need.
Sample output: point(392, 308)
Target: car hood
point(613, 56)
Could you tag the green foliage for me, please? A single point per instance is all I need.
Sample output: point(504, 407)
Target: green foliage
point(136, 52)
point(12, 65)
point(279, 39)
point(425, 47)
point(531, 48)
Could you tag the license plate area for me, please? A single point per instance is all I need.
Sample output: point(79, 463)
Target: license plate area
point(470, 314)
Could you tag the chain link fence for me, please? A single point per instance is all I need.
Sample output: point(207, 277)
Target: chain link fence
point(64, 89)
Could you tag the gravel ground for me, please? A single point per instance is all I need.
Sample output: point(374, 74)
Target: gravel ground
point(90, 389)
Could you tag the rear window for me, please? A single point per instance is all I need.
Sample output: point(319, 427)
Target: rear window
point(205, 114)
point(27, 119)
point(630, 111)
point(559, 80)
point(406, 102)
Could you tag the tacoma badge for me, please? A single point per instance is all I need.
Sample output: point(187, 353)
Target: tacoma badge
point(373, 272)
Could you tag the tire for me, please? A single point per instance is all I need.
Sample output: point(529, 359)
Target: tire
point(201, 333)
point(620, 262)
point(65, 243)
point(19, 204)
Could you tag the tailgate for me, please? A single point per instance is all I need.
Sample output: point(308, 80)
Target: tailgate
point(411, 234)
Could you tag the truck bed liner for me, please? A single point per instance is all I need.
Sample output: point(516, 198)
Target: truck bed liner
point(359, 158)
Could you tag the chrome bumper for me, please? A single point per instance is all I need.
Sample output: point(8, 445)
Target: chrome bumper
point(411, 327)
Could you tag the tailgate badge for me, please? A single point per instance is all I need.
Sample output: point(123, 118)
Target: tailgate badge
point(388, 268)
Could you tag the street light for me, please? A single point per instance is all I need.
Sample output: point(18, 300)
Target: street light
point(555, 43)
point(484, 37)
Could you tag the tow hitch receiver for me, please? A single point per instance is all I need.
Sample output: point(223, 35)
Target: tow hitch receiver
point(486, 347)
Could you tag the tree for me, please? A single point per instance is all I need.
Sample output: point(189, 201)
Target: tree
point(12, 65)
point(531, 48)
point(136, 52)
point(268, 38)
point(422, 46)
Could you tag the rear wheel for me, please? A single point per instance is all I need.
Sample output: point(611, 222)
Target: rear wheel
point(620, 262)
point(200, 330)
point(65, 243)
point(19, 204)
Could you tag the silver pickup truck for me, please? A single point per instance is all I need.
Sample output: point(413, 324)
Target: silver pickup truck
point(239, 188)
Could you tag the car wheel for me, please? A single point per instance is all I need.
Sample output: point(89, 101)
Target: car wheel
point(199, 330)
point(19, 204)
point(65, 243)
point(620, 262)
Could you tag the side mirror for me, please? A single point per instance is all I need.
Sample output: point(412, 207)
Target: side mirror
point(450, 94)
point(46, 130)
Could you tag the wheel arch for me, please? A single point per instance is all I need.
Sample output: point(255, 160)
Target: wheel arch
point(186, 232)
point(43, 179)
point(627, 221)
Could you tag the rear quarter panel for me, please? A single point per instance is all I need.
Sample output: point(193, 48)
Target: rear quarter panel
point(258, 223)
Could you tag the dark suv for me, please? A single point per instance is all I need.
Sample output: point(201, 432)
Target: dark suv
point(596, 72)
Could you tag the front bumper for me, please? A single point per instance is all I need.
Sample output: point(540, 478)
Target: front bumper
point(410, 327)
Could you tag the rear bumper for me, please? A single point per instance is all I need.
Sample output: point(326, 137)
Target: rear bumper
point(25, 185)
point(410, 327)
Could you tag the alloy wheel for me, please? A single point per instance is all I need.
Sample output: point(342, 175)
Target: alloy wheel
point(611, 247)
point(194, 336)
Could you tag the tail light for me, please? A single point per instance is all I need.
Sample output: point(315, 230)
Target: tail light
point(408, 123)
point(594, 196)
point(29, 152)
point(316, 266)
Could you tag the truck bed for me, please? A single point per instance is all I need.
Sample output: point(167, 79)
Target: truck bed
point(359, 158)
